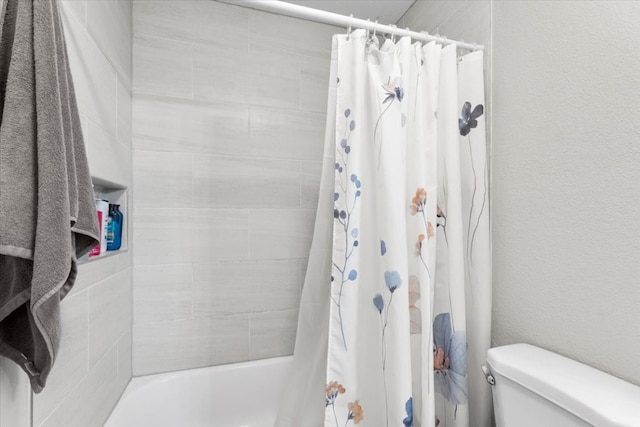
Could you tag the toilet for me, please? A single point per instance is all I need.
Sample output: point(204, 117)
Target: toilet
point(533, 387)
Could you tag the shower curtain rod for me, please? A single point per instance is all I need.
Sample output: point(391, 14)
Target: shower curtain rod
point(322, 16)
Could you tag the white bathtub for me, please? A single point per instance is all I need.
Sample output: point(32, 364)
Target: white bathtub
point(238, 395)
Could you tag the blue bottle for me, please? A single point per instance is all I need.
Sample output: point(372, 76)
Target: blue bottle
point(114, 228)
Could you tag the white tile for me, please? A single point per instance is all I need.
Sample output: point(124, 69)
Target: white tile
point(128, 225)
point(286, 134)
point(170, 124)
point(244, 287)
point(125, 360)
point(220, 74)
point(72, 362)
point(94, 77)
point(166, 19)
point(273, 333)
point(162, 67)
point(123, 132)
point(280, 233)
point(240, 182)
point(283, 34)
point(165, 236)
point(198, 21)
point(185, 344)
point(310, 174)
point(109, 23)
point(162, 292)
point(15, 392)
point(314, 83)
point(94, 271)
point(108, 159)
point(124, 259)
point(91, 402)
point(162, 179)
point(109, 313)
point(234, 76)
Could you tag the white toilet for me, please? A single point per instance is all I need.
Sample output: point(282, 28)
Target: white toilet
point(533, 387)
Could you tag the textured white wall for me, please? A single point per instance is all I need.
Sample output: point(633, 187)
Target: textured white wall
point(566, 179)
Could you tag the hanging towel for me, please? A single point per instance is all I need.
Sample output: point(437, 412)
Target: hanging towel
point(47, 213)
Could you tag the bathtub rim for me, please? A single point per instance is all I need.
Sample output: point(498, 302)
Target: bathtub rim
point(140, 383)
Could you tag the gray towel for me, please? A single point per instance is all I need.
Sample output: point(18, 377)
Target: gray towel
point(47, 211)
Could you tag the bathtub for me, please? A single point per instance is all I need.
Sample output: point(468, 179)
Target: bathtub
point(237, 395)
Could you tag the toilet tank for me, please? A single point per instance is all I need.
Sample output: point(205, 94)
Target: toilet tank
point(535, 387)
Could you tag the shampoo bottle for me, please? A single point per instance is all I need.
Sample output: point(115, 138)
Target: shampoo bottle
point(115, 228)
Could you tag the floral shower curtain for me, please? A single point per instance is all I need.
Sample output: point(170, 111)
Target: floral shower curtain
point(395, 314)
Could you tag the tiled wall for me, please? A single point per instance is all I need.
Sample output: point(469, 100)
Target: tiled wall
point(94, 363)
point(229, 111)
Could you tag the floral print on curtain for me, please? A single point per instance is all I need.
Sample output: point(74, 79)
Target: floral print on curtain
point(345, 197)
point(409, 294)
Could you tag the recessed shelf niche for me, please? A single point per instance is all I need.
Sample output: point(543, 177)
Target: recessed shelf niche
point(116, 194)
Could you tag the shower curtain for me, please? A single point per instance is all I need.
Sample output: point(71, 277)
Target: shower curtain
point(394, 319)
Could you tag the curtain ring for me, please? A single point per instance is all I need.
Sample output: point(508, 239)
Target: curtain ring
point(368, 30)
point(393, 36)
point(349, 27)
point(426, 35)
point(375, 29)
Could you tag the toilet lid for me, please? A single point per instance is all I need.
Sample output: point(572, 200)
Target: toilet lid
point(592, 395)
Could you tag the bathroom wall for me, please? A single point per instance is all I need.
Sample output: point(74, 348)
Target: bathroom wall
point(229, 112)
point(94, 363)
point(566, 181)
point(467, 20)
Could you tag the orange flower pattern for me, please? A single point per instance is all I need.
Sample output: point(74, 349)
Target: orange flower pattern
point(355, 412)
point(440, 362)
point(419, 244)
point(418, 202)
point(332, 390)
point(415, 315)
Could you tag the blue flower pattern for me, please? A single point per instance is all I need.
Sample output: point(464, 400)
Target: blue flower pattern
point(348, 191)
point(408, 421)
point(450, 347)
point(449, 360)
point(469, 120)
point(392, 281)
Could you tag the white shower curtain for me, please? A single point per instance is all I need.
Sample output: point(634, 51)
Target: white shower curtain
point(395, 313)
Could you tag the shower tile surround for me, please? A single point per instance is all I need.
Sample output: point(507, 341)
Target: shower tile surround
point(205, 257)
point(229, 108)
